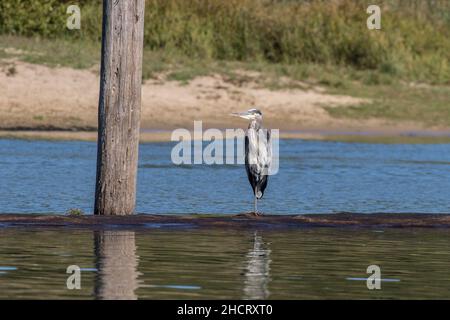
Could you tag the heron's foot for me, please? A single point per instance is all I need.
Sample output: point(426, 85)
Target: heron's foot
point(251, 213)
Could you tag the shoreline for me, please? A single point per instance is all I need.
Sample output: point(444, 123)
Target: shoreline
point(39, 102)
point(148, 135)
point(240, 221)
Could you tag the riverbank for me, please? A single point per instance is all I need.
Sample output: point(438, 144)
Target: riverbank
point(37, 97)
point(39, 102)
point(390, 137)
point(241, 221)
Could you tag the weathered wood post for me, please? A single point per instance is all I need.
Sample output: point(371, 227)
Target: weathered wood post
point(119, 106)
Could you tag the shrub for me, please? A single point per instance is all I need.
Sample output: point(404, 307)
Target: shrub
point(414, 41)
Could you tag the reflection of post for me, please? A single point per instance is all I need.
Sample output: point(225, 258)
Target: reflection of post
point(257, 275)
point(116, 261)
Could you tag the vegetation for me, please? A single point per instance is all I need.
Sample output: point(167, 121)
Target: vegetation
point(419, 103)
point(322, 42)
point(74, 212)
point(414, 41)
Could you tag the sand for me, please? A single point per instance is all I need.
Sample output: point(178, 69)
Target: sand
point(38, 98)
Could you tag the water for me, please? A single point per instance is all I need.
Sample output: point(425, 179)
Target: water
point(314, 177)
point(224, 264)
point(188, 262)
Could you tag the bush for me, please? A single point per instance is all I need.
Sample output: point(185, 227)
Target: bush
point(414, 41)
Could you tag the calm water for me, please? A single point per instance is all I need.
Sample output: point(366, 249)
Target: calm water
point(44, 177)
point(264, 264)
point(314, 177)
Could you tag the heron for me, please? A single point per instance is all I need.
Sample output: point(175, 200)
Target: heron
point(258, 153)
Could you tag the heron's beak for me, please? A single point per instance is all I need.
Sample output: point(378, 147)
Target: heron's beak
point(244, 115)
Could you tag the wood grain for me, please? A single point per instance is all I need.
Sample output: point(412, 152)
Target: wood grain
point(119, 107)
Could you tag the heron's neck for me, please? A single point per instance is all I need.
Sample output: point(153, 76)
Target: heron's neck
point(256, 124)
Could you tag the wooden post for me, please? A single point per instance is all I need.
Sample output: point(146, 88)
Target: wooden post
point(119, 106)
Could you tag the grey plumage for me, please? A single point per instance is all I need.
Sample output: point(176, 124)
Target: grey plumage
point(258, 153)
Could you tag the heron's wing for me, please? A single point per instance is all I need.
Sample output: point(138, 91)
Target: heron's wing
point(258, 155)
point(264, 151)
point(265, 161)
point(258, 150)
point(250, 167)
point(269, 149)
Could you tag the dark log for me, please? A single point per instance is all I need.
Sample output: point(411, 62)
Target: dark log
point(223, 221)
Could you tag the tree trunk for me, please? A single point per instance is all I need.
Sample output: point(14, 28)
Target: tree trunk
point(119, 106)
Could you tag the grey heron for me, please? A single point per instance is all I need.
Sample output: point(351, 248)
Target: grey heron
point(258, 153)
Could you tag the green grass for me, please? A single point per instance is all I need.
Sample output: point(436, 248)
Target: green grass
point(78, 54)
point(75, 212)
point(388, 139)
point(392, 96)
point(414, 42)
point(429, 105)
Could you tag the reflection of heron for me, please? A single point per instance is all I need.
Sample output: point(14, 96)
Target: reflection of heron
point(257, 275)
point(116, 261)
point(258, 153)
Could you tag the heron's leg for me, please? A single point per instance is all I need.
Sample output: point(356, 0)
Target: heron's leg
point(256, 213)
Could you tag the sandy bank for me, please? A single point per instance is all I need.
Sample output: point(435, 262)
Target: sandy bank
point(39, 98)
